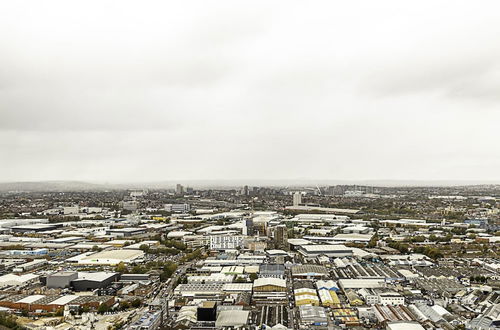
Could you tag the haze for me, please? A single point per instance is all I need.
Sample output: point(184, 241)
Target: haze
point(140, 91)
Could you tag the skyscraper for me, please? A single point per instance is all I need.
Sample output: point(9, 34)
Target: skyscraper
point(297, 198)
point(281, 236)
point(179, 189)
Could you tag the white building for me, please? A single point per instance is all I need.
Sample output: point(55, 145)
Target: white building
point(71, 210)
point(297, 198)
point(226, 242)
point(177, 208)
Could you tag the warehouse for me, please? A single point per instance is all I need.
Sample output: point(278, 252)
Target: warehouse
point(17, 280)
point(211, 291)
point(61, 279)
point(92, 281)
point(112, 257)
point(269, 290)
point(126, 232)
point(43, 303)
point(332, 251)
point(272, 270)
point(232, 319)
point(360, 283)
point(30, 265)
point(35, 228)
point(313, 315)
point(309, 272)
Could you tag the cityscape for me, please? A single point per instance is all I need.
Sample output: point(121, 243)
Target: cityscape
point(249, 165)
point(320, 257)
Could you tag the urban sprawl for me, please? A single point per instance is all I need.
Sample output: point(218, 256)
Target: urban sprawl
point(321, 257)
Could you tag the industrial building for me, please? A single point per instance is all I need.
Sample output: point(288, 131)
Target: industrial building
point(329, 250)
point(43, 303)
point(269, 290)
point(111, 257)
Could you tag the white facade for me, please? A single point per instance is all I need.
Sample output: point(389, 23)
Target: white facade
point(177, 208)
point(225, 242)
point(297, 199)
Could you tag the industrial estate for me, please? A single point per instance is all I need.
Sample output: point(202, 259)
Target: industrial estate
point(322, 257)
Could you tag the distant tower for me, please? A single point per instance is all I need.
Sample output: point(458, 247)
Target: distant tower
point(297, 198)
point(244, 191)
point(179, 189)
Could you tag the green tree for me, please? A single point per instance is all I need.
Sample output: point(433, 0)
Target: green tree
point(136, 303)
point(103, 308)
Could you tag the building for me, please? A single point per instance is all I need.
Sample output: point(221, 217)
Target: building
point(35, 228)
point(272, 270)
point(249, 229)
point(309, 271)
point(178, 208)
point(297, 198)
point(30, 265)
point(212, 278)
point(281, 236)
point(224, 242)
point(111, 257)
point(329, 250)
point(381, 297)
point(61, 280)
point(269, 291)
point(232, 319)
point(130, 205)
point(18, 280)
point(179, 189)
point(313, 316)
point(43, 303)
point(126, 232)
point(207, 312)
point(68, 210)
point(91, 281)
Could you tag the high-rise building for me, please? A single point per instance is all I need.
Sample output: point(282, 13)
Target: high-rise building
point(281, 236)
point(244, 191)
point(179, 189)
point(297, 198)
point(249, 227)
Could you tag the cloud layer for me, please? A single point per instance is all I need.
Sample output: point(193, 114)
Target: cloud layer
point(140, 91)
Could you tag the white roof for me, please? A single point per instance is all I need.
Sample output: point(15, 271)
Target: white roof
point(404, 326)
point(306, 297)
point(237, 287)
point(325, 247)
point(17, 278)
point(269, 281)
point(96, 276)
point(232, 318)
point(112, 255)
point(31, 299)
point(64, 300)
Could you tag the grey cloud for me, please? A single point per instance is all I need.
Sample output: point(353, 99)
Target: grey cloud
point(203, 90)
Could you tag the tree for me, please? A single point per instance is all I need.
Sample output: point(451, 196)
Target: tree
point(121, 268)
point(136, 303)
point(253, 276)
point(124, 305)
point(103, 308)
point(144, 248)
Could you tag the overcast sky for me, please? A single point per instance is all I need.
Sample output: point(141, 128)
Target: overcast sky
point(139, 90)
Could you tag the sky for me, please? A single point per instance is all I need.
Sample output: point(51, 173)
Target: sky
point(133, 91)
